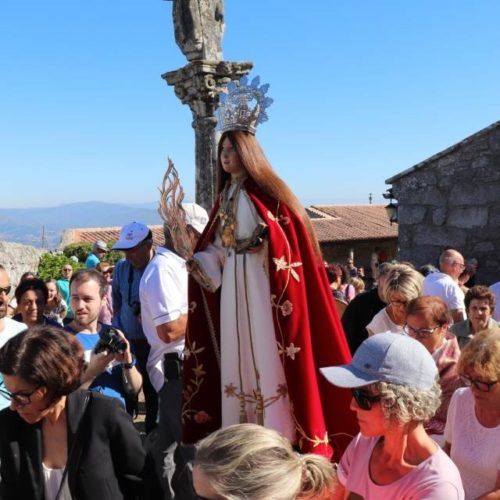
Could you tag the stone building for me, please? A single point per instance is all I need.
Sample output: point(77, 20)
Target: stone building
point(452, 200)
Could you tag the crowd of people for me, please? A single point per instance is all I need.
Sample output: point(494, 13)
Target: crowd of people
point(266, 374)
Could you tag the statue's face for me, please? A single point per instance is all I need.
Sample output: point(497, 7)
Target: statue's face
point(230, 159)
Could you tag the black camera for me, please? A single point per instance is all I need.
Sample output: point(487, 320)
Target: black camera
point(110, 341)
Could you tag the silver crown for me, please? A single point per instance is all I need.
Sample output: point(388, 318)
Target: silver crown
point(243, 106)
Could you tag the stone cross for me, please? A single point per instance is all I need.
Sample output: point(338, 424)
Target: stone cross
point(199, 26)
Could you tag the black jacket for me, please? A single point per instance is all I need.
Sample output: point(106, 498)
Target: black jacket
point(358, 314)
point(109, 463)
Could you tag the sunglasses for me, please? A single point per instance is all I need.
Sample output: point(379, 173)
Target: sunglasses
point(364, 399)
point(478, 384)
point(5, 289)
point(21, 398)
point(108, 271)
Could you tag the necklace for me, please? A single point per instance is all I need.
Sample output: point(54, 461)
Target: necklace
point(227, 213)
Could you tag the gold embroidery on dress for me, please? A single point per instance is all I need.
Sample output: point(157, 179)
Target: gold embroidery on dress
point(192, 386)
point(254, 398)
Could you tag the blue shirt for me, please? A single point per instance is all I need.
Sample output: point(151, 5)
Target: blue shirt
point(63, 287)
point(126, 301)
point(110, 381)
point(92, 261)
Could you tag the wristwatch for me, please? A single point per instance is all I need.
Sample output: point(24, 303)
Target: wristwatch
point(129, 366)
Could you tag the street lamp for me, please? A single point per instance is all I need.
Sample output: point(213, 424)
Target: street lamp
point(392, 208)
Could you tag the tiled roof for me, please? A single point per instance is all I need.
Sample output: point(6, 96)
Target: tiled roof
point(91, 234)
point(333, 223)
point(352, 223)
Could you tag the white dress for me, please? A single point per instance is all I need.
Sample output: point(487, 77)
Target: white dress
point(253, 382)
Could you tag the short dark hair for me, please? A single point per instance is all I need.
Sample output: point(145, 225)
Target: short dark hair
point(44, 356)
point(479, 292)
point(84, 275)
point(32, 284)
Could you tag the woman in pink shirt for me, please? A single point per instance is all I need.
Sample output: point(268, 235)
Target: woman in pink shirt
point(394, 383)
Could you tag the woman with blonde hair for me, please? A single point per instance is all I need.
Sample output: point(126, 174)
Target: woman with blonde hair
point(403, 284)
point(262, 317)
point(247, 461)
point(472, 429)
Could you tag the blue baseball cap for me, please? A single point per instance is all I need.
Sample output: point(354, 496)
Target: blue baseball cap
point(386, 357)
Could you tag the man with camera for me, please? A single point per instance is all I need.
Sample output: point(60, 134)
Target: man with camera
point(164, 307)
point(111, 367)
point(136, 241)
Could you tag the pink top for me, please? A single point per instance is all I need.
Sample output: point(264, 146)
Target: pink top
point(434, 478)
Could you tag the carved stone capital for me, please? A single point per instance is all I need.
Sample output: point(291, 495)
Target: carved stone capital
point(199, 82)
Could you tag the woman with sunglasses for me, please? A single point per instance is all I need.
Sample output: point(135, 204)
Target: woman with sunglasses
point(427, 320)
point(473, 425)
point(402, 285)
point(57, 442)
point(395, 390)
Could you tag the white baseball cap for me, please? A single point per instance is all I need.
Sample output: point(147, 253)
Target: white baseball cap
point(131, 235)
point(196, 216)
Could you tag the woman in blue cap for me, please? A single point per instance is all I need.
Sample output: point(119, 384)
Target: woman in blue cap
point(395, 389)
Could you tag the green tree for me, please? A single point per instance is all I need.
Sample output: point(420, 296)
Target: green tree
point(81, 251)
point(51, 264)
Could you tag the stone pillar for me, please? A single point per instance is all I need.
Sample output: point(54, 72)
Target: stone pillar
point(199, 27)
point(198, 84)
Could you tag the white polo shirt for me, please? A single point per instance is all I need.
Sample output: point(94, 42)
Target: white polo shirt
point(163, 291)
point(443, 286)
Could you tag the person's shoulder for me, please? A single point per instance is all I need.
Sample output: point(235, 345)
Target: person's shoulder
point(9, 420)
point(462, 396)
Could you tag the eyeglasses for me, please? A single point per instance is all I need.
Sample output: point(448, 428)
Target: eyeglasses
point(108, 271)
point(364, 399)
point(420, 333)
point(21, 398)
point(5, 289)
point(462, 266)
point(67, 269)
point(478, 384)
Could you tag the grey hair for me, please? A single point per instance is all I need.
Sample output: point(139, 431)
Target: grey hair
point(448, 256)
point(248, 461)
point(403, 404)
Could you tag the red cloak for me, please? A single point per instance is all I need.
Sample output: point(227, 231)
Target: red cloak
point(308, 332)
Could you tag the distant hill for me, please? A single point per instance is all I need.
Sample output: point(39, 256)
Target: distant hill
point(25, 225)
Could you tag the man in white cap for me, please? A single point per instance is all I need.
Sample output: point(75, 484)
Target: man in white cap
point(136, 241)
point(164, 307)
point(99, 250)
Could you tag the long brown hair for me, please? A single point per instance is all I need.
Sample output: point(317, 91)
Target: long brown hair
point(259, 169)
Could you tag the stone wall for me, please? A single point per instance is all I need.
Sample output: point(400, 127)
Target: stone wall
point(453, 200)
point(18, 259)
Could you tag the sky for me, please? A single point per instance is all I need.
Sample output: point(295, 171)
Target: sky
point(362, 90)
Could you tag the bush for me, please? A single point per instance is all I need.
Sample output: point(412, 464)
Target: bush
point(81, 251)
point(51, 264)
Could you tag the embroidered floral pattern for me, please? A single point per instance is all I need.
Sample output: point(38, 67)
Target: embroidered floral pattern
point(201, 417)
point(286, 308)
point(192, 386)
point(256, 397)
point(283, 265)
point(192, 306)
point(289, 351)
